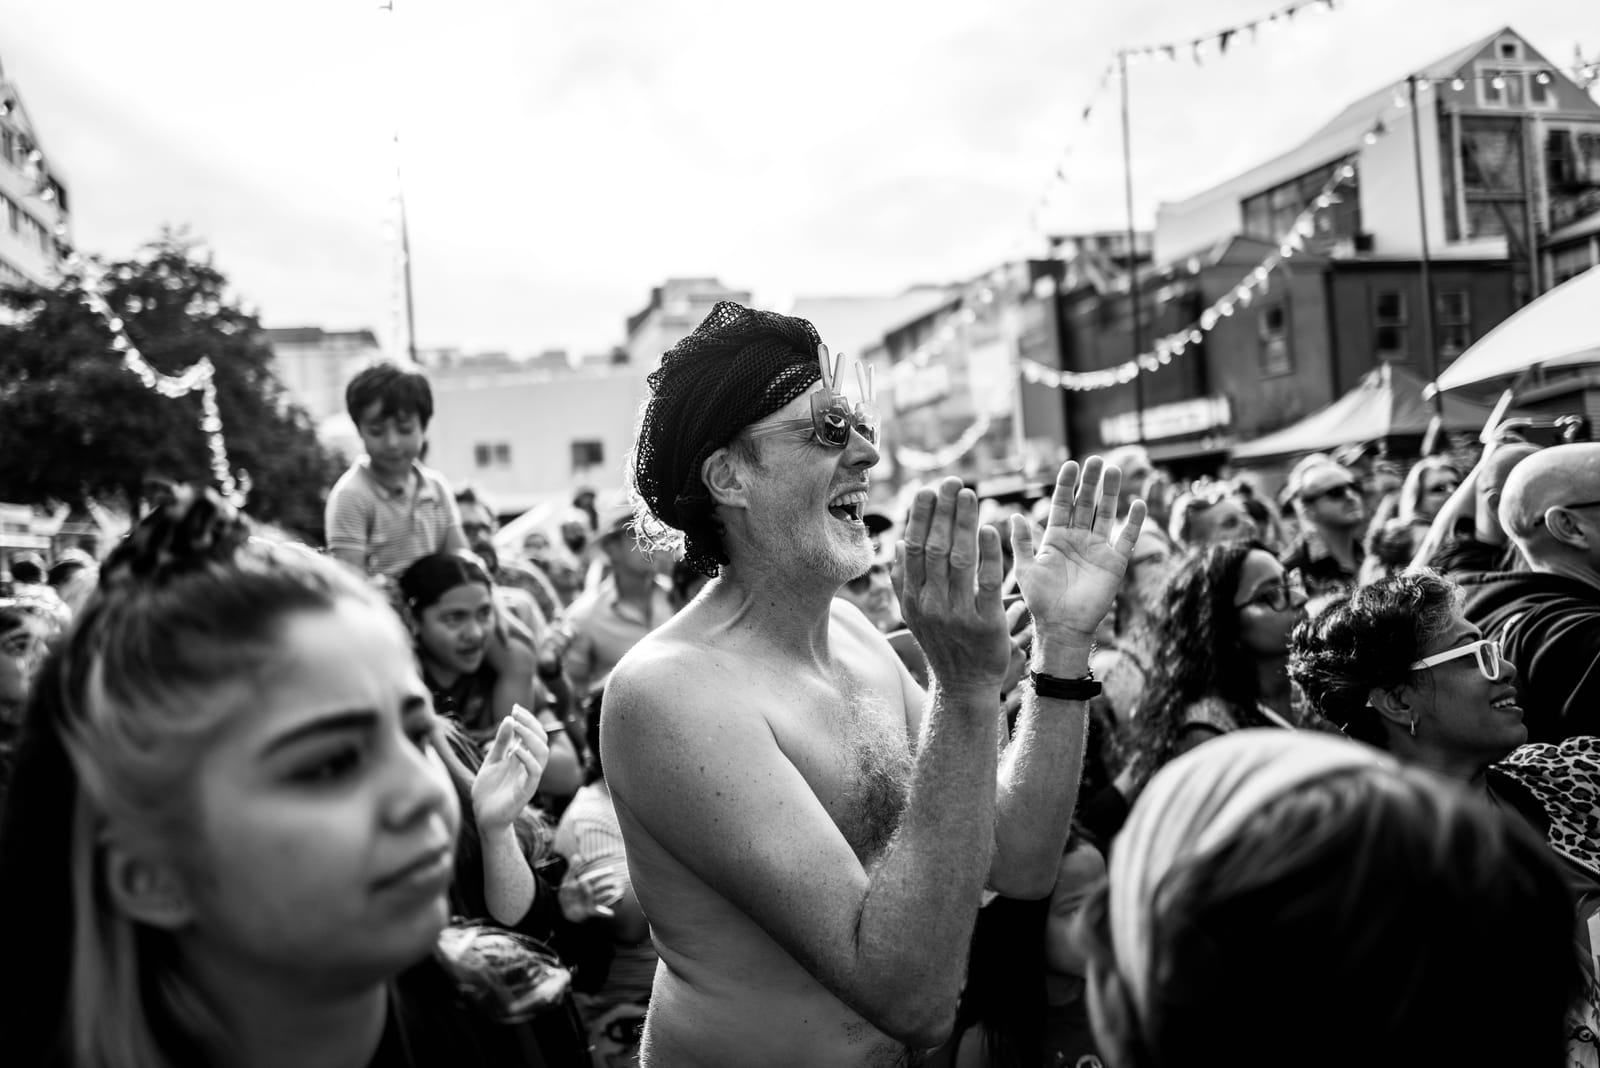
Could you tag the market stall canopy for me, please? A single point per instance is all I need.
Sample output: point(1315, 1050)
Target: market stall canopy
point(1388, 403)
point(1560, 328)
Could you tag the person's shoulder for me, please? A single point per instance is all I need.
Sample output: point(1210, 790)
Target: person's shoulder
point(353, 481)
point(1212, 712)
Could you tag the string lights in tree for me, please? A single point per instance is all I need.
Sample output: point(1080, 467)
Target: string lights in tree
point(199, 376)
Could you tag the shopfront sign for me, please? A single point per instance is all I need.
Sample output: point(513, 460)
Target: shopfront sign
point(1168, 421)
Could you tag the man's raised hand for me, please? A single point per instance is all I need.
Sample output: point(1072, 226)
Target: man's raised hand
point(1069, 576)
point(947, 575)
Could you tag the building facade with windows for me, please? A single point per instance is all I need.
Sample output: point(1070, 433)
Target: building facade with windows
point(35, 232)
point(1508, 189)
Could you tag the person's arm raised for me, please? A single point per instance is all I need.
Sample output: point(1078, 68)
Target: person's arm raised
point(689, 760)
point(1069, 578)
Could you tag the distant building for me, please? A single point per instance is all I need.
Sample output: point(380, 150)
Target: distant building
point(314, 366)
point(1510, 179)
point(35, 232)
point(676, 307)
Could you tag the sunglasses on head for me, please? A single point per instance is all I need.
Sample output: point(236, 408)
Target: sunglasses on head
point(1487, 650)
point(1343, 489)
point(833, 417)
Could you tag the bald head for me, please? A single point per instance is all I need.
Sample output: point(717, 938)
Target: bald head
point(1562, 475)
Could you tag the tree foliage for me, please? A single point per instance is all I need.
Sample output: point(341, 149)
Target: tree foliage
point(77, 425)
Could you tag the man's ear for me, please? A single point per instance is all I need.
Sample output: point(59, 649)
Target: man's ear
point(723, 476)
point(1563, 528)
point(1392, 706)
point(145, 890)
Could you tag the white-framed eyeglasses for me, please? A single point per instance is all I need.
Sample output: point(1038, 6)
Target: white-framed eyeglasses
point(1487, 650)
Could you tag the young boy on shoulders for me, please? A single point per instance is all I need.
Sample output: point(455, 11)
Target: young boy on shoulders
point(388, 511)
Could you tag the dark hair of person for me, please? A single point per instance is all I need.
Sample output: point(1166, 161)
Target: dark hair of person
point(62, 570)
point(1368, 640)
point(397, 391)
point(1198, 653)
point(432, 576)
point(1345, 899)
point(593, 769)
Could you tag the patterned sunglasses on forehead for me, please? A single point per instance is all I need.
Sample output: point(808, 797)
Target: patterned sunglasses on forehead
point(832, 415)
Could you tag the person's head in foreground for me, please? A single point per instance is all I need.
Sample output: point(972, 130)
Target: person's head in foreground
point(1396, 665)
point(1550, 507)
point(1290, 898)
point(750, 438)
point(227, 808)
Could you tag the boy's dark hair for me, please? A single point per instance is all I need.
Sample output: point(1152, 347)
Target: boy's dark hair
point(397, 391)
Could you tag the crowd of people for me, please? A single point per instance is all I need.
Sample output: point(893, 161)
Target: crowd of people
point(750, 768)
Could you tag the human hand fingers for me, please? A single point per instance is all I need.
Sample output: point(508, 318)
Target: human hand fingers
point(1021, 542)
point(1105, 512)
point(912, 546)
point(1129, 535)
point(1086, 496)
point(991, 571)
point(963, 549)
point(1061, 497)
point(941, 535)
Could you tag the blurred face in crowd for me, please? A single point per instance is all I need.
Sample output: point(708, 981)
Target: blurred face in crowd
point(1459, 710)
point(326, 820)
point(479, 526)
point(1438, 484)
point(1225, 520)
point(873, 593)
point(1136, 479)
point(22, 648)
point(392, 442)
point(1330, 497)
point(453, 632)
point(1269, 602)
point(1148, 568)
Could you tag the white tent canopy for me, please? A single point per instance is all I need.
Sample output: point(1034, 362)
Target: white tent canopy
point(1560, 328)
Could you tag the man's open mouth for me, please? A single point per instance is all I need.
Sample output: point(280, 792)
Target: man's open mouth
point(848, 507)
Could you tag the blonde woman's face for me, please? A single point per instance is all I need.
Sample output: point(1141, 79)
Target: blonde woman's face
point(327, 819)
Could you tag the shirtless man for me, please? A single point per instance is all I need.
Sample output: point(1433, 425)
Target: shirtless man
point(809, 834)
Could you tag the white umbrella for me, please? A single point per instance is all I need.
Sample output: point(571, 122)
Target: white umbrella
point(1562, 327)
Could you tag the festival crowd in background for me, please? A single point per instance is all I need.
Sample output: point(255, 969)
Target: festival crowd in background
point(1338, 802)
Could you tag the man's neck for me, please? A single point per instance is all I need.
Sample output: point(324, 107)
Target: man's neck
point(1576, 570)
point(281, 1019)
point(396, 480)
point(1343, 544)
point(790, 611)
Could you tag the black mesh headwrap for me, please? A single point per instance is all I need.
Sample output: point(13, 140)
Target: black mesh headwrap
point(738, 366)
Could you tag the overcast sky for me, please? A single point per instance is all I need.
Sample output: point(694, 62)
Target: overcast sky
point(560, 159)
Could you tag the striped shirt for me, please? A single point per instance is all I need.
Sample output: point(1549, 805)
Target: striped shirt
point(391, 529)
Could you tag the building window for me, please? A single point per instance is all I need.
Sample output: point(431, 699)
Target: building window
point(1572, 173)
point(1389, 323)
point(1270, 214)
point(1510, 49)
point(1570, 262)
point(1273, 327)
point(1454, 322)
point(587, 454)
point(8, 146)
point(492, 454)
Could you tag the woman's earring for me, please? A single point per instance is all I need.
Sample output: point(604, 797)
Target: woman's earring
point(1413, 728)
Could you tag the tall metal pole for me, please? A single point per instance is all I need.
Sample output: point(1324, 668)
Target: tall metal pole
point(405, 255)
point(1133, 263)
point(1428, 345)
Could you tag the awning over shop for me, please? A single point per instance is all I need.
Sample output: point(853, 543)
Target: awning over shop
point(1388, 403)
point(1559, 329)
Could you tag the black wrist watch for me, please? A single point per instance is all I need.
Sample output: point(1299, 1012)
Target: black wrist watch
point(1065, 689)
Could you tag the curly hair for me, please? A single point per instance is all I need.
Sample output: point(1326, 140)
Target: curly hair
point(1367, 640)
point(1197, 653)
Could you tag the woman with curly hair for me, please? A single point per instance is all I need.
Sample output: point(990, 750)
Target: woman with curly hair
point(1221, 647)
point(1398, 666)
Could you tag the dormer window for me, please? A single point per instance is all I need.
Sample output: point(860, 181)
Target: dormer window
point(1509, 48)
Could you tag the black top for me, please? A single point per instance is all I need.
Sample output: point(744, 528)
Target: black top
point(1550, 626)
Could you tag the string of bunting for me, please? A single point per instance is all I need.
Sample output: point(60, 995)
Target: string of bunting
point(200, 376)
point(920, 460)
point(1197, 48)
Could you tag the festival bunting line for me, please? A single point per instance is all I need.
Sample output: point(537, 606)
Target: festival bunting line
point(199, 376)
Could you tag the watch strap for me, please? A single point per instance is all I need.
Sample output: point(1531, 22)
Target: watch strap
point(1054, 686)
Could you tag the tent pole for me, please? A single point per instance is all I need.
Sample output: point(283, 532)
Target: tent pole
point(1428, 345)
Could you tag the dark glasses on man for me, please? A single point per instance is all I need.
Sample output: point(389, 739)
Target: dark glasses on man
point(1342, 489)
point(833, 416)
